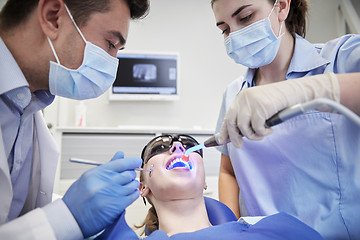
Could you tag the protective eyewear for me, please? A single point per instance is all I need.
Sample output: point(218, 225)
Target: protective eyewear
point(163, 144)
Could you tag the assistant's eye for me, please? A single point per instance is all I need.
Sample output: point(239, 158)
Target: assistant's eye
point(246, 19)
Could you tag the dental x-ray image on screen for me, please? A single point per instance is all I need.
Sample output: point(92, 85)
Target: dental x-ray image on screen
point(146, 76)
point(144, 72)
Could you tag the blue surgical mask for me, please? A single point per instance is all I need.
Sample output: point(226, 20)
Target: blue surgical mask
point(254, 46)
point(95, 75)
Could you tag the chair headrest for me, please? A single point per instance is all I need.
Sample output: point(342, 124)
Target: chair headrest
point(218, 212)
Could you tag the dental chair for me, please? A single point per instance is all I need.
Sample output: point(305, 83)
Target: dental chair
point(218, 212)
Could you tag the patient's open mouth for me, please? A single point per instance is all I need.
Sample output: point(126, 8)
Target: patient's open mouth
point(177, 162)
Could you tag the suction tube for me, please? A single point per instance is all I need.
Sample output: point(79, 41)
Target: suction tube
point(294, 111)
point(299, 109)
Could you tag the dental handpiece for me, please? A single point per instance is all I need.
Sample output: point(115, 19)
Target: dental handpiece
point(214, 141)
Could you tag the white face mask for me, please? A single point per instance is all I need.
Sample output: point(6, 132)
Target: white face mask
point(255, 45)
point(95, 75)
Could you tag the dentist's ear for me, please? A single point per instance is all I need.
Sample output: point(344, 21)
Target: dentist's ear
point(205, 186)
point(51, 14)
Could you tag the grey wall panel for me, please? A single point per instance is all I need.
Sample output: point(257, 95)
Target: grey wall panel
point(101, 148)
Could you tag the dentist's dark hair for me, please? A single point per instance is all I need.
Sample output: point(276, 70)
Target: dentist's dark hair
point(16, 12)
point(296, 20)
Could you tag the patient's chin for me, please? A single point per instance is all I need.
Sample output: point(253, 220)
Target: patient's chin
point(183, 191)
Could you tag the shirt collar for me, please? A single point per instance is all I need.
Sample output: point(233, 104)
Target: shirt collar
point(14, 85)
point(306, 57)
point(249, 77)
point(45, 98)
point(11, 75)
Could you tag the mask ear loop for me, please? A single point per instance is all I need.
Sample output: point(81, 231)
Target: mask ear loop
point(273, 8)
point(281, 22)
point(53, 50)
point(76, 26)
point(281, 34)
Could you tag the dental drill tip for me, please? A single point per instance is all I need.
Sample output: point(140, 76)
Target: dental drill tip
point(185, 158)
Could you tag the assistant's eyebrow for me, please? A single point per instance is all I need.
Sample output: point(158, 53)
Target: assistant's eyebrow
point(235, 13)
point(239, 10)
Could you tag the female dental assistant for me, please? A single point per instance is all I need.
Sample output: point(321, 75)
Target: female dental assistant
point(309, 166)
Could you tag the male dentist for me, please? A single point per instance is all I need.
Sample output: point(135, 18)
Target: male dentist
point(66, 48)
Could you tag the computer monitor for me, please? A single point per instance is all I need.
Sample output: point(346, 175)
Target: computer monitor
point(146, 76)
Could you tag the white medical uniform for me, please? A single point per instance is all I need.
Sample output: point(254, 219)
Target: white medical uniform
point(28, 160)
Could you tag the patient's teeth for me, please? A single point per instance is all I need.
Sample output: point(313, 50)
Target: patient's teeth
point(176, 160)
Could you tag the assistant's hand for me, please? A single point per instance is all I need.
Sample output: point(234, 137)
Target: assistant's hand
point(102, 193)
point(253, 106)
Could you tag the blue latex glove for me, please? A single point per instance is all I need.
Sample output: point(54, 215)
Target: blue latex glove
point(101, 194)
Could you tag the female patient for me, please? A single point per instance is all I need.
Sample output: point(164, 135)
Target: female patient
point(175, 190)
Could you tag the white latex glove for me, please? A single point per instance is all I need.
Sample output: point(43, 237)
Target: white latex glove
point(253, 106)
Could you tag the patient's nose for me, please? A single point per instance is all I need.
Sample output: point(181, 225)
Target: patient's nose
point(177, 147)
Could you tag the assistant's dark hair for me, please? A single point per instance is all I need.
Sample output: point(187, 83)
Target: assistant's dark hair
point(16, 12)
point(296, 20)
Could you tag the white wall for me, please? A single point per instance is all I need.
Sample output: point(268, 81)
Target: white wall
point(356, 4)
point(323, 20)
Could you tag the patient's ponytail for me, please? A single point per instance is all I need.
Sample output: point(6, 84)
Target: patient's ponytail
point(151, 221)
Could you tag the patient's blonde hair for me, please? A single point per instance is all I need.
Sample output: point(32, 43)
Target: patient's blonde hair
point(151, 221)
